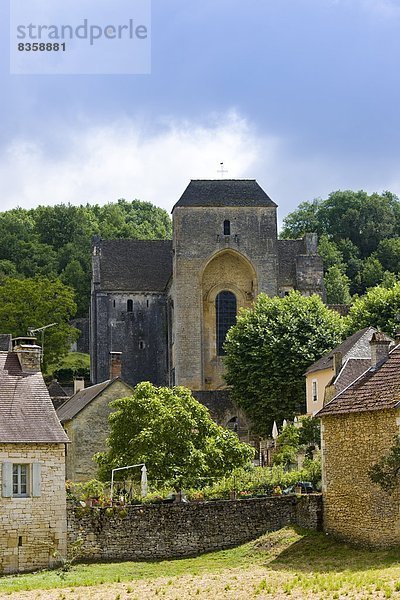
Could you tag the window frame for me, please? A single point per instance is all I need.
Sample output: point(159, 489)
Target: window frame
point(223, 322)
point(314, 390)
point(23, 472)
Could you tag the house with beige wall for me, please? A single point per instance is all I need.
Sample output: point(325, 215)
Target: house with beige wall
point(84, 417)
point(33, 522)
point(337, 369)
point(358, 428)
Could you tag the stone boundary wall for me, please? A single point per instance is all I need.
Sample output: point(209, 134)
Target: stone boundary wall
point(164, 531)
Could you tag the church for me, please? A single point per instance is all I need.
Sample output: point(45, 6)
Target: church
point(163, 308)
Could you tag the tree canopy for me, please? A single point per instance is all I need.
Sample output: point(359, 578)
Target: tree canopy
point(172, 433)
point(55, 241)
point(36, 302)
point(268, 350)
point(359, 236)
point(380, 308)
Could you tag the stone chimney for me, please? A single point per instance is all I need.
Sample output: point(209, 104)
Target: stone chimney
point(115, 364)
point(379, 348)
point(29, 354)
point(337, 362)
point(79, 384)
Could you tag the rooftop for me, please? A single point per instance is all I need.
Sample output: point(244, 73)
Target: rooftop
point(376, 389)
point(26, 411)
point(81, 399)
point(224, 192)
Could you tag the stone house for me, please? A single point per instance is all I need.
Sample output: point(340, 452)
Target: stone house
point(337, 369)
point(167, 305)
point(32, 457)
point(84, 417)
point(358, 427)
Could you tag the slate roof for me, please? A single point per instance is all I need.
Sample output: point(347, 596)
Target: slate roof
point(224, 192)
point(351, 370)
point(56, 391)
point(81, 399)
point(376, 389)
point(326, 362)
point(26, 411)
point(135, 265)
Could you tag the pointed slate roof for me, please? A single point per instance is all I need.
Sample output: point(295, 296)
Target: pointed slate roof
point(224, 192)
point(81, 399)
point(326, 362)
point(376, 389)
point(26, 411)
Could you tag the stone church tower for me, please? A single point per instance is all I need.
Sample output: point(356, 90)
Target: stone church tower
point(168, 306)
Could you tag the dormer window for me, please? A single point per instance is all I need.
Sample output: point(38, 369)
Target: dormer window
point(227, 227)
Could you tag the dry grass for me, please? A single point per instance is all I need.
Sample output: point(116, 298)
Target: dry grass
point(285, 564)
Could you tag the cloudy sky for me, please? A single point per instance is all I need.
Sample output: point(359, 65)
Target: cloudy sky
point(303, 95)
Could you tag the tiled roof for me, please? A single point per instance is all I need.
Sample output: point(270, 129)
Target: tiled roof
point(26, 411)
point(376, 389)
point(135, 265)
point(56, 391)
point(81, 399)
point(351, 370)
point(224, 192)
point(326, 362)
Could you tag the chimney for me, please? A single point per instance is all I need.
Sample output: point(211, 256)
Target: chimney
point(337, 362)
point(29, 354)
point(115, 364)
point(379, 345)
point(79, 384)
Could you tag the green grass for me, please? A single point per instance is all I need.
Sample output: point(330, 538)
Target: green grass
point(290, 562)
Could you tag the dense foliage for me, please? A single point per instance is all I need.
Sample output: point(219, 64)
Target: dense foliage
point(55, 241)
point(294, 439)
point(380, 307)
point(26, 303)
point(173, 434)
point(359, 239)
point(270, 347)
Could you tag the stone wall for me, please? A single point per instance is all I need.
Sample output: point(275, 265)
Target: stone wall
point(165, 531)
point(32, 529)
point(88, 431)
point(355, 509)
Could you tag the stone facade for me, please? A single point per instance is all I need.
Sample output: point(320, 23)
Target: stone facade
point(355, 509)
point(87, 427)
point(33, 529)
point(156, 301)
point(157, 532)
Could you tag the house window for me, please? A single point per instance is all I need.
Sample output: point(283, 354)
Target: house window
point(129, 306)
point(20, 480)
point(227, 227)
point(225, 308)
point(314, 390)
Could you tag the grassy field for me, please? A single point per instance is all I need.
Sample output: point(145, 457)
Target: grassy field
point(288, 563)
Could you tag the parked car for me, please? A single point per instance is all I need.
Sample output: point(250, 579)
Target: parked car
point(302, 487)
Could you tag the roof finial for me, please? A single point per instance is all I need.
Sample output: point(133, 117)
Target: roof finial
point(222, 171)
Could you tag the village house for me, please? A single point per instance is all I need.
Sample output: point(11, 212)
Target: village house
point(338, 368)
point(84, 417)
point(358, 428)
point(33, 528)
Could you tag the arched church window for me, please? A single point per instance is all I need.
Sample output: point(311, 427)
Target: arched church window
point(129, 306)
point(225, 309)
point(227, 227)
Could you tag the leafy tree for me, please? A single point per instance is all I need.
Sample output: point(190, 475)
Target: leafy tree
point(173, 434)
point(303, 220)
point(268, 350)
point(372, 272)
point(287, 447)
point(37, 302)
point(330, 253)
point(337, 286)
point(309, 432)
point(380, 308)
point(388, 254)
point(386, 471)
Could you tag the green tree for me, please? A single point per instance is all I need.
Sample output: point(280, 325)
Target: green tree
point(371, 273)
point(305, 219)
point(380, 308)
point(386, 471)
point(337, 286)
point(388, 254)
point(173, 434)
point(268, 350)
point(287, 446)
point(37, 302)
point(330, 253)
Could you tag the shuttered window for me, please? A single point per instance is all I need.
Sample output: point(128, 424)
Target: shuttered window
point(21, 480)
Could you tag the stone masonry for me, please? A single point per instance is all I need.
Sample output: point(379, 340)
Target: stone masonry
point(160, 531)
point(33, 529)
